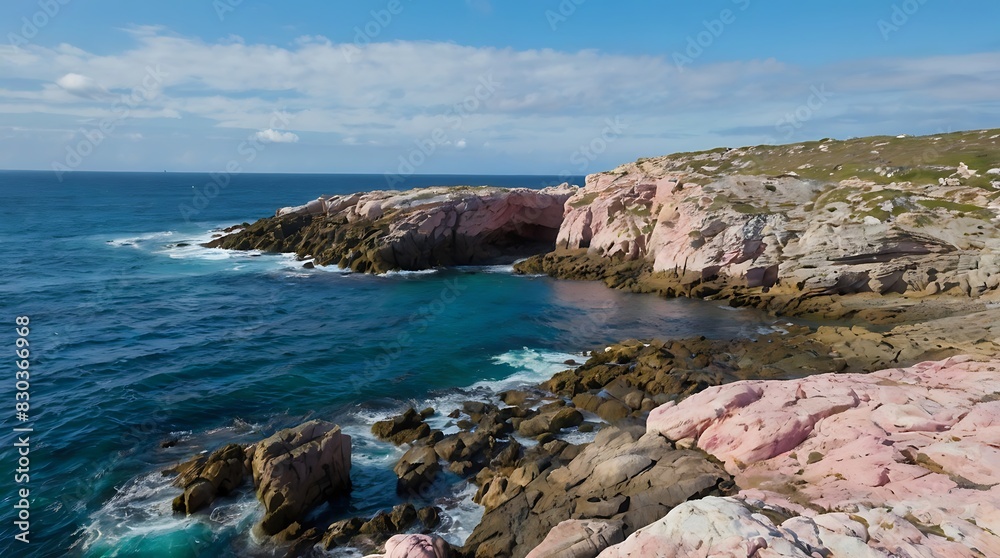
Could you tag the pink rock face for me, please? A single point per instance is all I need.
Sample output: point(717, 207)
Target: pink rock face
point(415, 546)
point(919, 443)
point(730, 527)
point(434, 211)
point(686, 213)
point(430, 227)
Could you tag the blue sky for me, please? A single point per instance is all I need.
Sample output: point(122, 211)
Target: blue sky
point(475, 86)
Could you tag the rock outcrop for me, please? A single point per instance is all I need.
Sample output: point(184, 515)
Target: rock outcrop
point(417, 229)
point(897, 462)
point(733, 527)
point(623, 479)
point(371, 533)
point(576, 538)
point(717, 224)
point(298, 468)
point(203, 480)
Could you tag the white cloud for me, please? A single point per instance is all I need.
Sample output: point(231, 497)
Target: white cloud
point(536, 105)
point(274, 136)
point(81, 85)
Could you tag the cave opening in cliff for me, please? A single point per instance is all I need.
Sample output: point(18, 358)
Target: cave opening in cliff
point(522, 241)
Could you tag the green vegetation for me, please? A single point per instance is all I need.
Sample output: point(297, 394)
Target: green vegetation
point(920, 160)
point(585, 200)
point(950, 206)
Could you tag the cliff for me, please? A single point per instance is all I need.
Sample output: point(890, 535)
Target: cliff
point(418, 229)
point(776, 226)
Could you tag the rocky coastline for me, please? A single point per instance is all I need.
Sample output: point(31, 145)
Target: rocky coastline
point(876, 438)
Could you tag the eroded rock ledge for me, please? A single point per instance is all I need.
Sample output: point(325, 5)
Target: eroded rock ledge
point(382, 231)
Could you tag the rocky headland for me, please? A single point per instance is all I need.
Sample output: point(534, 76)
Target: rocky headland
point(382, 231)
point(872, 432)
point(792, 229)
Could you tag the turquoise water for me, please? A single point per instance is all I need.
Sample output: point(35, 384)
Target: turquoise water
point(137, 338)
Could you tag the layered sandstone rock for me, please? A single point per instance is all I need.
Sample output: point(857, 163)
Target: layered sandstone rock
point(417, 229)
point(897, 462)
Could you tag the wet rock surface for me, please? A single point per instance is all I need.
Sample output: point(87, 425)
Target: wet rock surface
point(205, 479)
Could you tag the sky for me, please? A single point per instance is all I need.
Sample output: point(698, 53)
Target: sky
point(402, 87)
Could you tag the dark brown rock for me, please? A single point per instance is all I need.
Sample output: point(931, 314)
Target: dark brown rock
point(417, 470)
point(624, 477)
point(402, 429)
point(203, 481)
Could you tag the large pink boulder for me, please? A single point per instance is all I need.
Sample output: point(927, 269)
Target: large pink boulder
point(729, 527)
point(577, 538)
point(919, 443)
point(415, 546)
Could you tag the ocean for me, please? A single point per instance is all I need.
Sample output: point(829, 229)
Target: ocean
point(138, 335)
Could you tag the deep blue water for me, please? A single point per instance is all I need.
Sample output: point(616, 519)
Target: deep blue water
point(134, 340)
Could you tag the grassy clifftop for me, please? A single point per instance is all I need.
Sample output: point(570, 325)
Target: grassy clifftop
point(878, 159)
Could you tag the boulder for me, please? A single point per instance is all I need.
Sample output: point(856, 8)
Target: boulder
point(416, 470)
point(402, 429)
point(416, 546)
point(623, 478)
point(221, 473)
point(551, 422)
point(576, 538)
point(298, 468)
